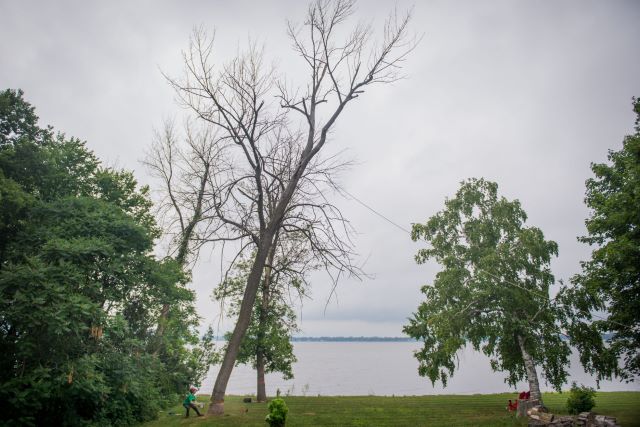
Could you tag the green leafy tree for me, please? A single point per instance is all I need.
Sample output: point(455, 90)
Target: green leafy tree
point(492, 293)
point(605, 298)
point(267, 345)
point(80, 290)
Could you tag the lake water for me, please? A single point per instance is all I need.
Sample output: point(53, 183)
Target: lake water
point(383, 369)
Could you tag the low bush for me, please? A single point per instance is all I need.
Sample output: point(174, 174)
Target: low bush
point(277, 413)
point(581, 399)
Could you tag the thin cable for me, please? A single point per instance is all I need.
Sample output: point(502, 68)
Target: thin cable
point(374, 211)
point(490, 274)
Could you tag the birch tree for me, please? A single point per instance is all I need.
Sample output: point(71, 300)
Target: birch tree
point(492, 293)
point(273, 134)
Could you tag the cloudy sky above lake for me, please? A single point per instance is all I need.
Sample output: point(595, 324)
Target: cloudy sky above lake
point(527, 94)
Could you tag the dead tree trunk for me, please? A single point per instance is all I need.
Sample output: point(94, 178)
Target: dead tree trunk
point(266, 244)
point(530, 367)
point(244, 319)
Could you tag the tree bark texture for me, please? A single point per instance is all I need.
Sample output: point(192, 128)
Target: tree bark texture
point(530, 368)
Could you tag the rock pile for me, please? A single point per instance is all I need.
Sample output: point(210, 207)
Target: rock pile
point(539, 417)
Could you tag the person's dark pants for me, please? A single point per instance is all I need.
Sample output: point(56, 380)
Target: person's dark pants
point(191, 406)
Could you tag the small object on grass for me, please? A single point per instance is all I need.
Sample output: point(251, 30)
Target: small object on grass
point(246, 400)
point(277, 413)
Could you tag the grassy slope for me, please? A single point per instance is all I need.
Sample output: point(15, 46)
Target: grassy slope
point(475, 410)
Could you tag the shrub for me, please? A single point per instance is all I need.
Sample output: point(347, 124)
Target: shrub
point(277, 413)
point(581, 399)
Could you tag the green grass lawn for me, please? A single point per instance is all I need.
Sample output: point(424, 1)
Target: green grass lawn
point(474, 410)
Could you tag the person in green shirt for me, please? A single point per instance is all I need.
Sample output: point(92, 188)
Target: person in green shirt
point(188, 402)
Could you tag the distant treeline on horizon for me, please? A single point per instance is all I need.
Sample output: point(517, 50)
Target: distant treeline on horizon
point(365, 339)
point(356, 339)
point(344, 339)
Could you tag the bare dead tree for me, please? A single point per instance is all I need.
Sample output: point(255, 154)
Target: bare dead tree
point(270, 145)
point(184, 167)
point(313, 235)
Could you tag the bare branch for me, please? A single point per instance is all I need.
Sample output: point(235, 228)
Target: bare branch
point(269, 187)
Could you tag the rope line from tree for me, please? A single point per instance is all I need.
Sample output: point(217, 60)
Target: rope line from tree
point(489, 273)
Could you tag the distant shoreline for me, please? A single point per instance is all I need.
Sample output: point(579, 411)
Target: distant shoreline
point(366, 339)
point(345, 339)
point(352, 339)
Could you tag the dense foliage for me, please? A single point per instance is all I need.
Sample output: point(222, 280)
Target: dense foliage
point(492, 291)
point(277, 415)
point(581, 399)
point(605, 298)
point(80, 290)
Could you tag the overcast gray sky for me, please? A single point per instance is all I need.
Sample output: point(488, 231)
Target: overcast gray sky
point(523, 93)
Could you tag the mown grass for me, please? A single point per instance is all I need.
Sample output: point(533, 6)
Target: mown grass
point(414, 411)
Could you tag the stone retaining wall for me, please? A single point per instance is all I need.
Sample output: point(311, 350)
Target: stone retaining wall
point(585, 419)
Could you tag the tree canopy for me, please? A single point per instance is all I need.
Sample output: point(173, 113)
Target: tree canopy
point(492, 292)
point(18, 119)
point(80, 289)
point(605, 297)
